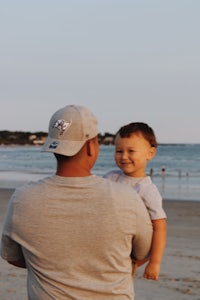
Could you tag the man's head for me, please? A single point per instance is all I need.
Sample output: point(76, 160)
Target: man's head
point(69, 129)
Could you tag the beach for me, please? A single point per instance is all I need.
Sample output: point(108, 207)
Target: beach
point(180, 270)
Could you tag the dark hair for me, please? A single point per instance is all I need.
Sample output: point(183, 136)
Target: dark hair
point(138, 127)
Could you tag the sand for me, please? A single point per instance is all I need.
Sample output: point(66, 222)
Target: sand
point(180, 270)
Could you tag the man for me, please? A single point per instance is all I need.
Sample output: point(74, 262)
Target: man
point(74, 231)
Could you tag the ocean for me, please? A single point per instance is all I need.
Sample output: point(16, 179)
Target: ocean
point(19, 164)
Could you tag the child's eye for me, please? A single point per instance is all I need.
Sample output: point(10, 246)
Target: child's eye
point(131, 151)
point(118, 151)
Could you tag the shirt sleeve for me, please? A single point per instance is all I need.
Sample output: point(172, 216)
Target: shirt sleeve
point(152, 200)
point(10, 249)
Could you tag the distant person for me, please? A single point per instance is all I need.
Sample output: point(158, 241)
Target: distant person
point(163, 171)
point(135, 145)
point(151, 173)
point(74, 231)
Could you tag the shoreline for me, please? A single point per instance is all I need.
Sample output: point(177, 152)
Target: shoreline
point(8, 185)
point(180, 269)
point(181, 180)
point(10, 190)
point(170, 188)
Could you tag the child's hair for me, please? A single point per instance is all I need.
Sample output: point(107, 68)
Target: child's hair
point(138, 127)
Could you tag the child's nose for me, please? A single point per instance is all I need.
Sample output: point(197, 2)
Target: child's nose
point(124, 155)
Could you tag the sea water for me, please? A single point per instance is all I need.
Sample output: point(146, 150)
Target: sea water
point(19, 164)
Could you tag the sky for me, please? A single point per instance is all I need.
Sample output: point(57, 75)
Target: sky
point(125, 60)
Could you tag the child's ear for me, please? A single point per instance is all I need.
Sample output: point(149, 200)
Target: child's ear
point(152, 153)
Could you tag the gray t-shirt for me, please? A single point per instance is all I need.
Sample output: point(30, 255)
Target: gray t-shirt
point(145, 188)
point(76, 235)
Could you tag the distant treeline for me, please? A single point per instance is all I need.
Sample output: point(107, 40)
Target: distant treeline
point(38, 138)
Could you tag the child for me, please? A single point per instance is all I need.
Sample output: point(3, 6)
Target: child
point(135, 145)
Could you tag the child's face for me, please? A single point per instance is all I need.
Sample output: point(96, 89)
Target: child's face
point(132, 154)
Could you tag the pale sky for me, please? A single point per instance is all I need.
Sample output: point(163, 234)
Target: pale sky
point(125, 60)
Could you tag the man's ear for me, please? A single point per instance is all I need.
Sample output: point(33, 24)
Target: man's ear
point(89, 147)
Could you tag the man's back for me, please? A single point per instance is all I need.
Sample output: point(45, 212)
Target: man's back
point(82, 230)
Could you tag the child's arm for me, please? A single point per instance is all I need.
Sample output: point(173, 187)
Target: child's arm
point(158, 245)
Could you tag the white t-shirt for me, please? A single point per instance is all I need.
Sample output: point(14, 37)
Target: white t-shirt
point(145, 188)
point(76, 235)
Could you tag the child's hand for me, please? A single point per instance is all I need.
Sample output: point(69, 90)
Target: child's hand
point(152, 271)
point(134, 268)
point(138, 263)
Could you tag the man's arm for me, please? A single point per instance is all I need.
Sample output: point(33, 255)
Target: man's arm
point(12, 252)
point(19, 263)
point(143, 238)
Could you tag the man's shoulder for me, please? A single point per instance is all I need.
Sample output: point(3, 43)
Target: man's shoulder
point(28, 189)
point(113, 175)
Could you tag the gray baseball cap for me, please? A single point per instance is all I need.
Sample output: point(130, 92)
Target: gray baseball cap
point(69, 128)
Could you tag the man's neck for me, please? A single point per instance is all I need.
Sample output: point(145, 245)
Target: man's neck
point(72, 170)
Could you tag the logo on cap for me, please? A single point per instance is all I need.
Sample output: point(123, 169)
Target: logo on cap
point(53, 145)
point(62, 125)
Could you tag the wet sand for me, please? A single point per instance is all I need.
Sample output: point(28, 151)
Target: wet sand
point(180, 270)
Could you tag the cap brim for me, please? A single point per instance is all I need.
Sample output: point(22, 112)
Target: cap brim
point(67, 148)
